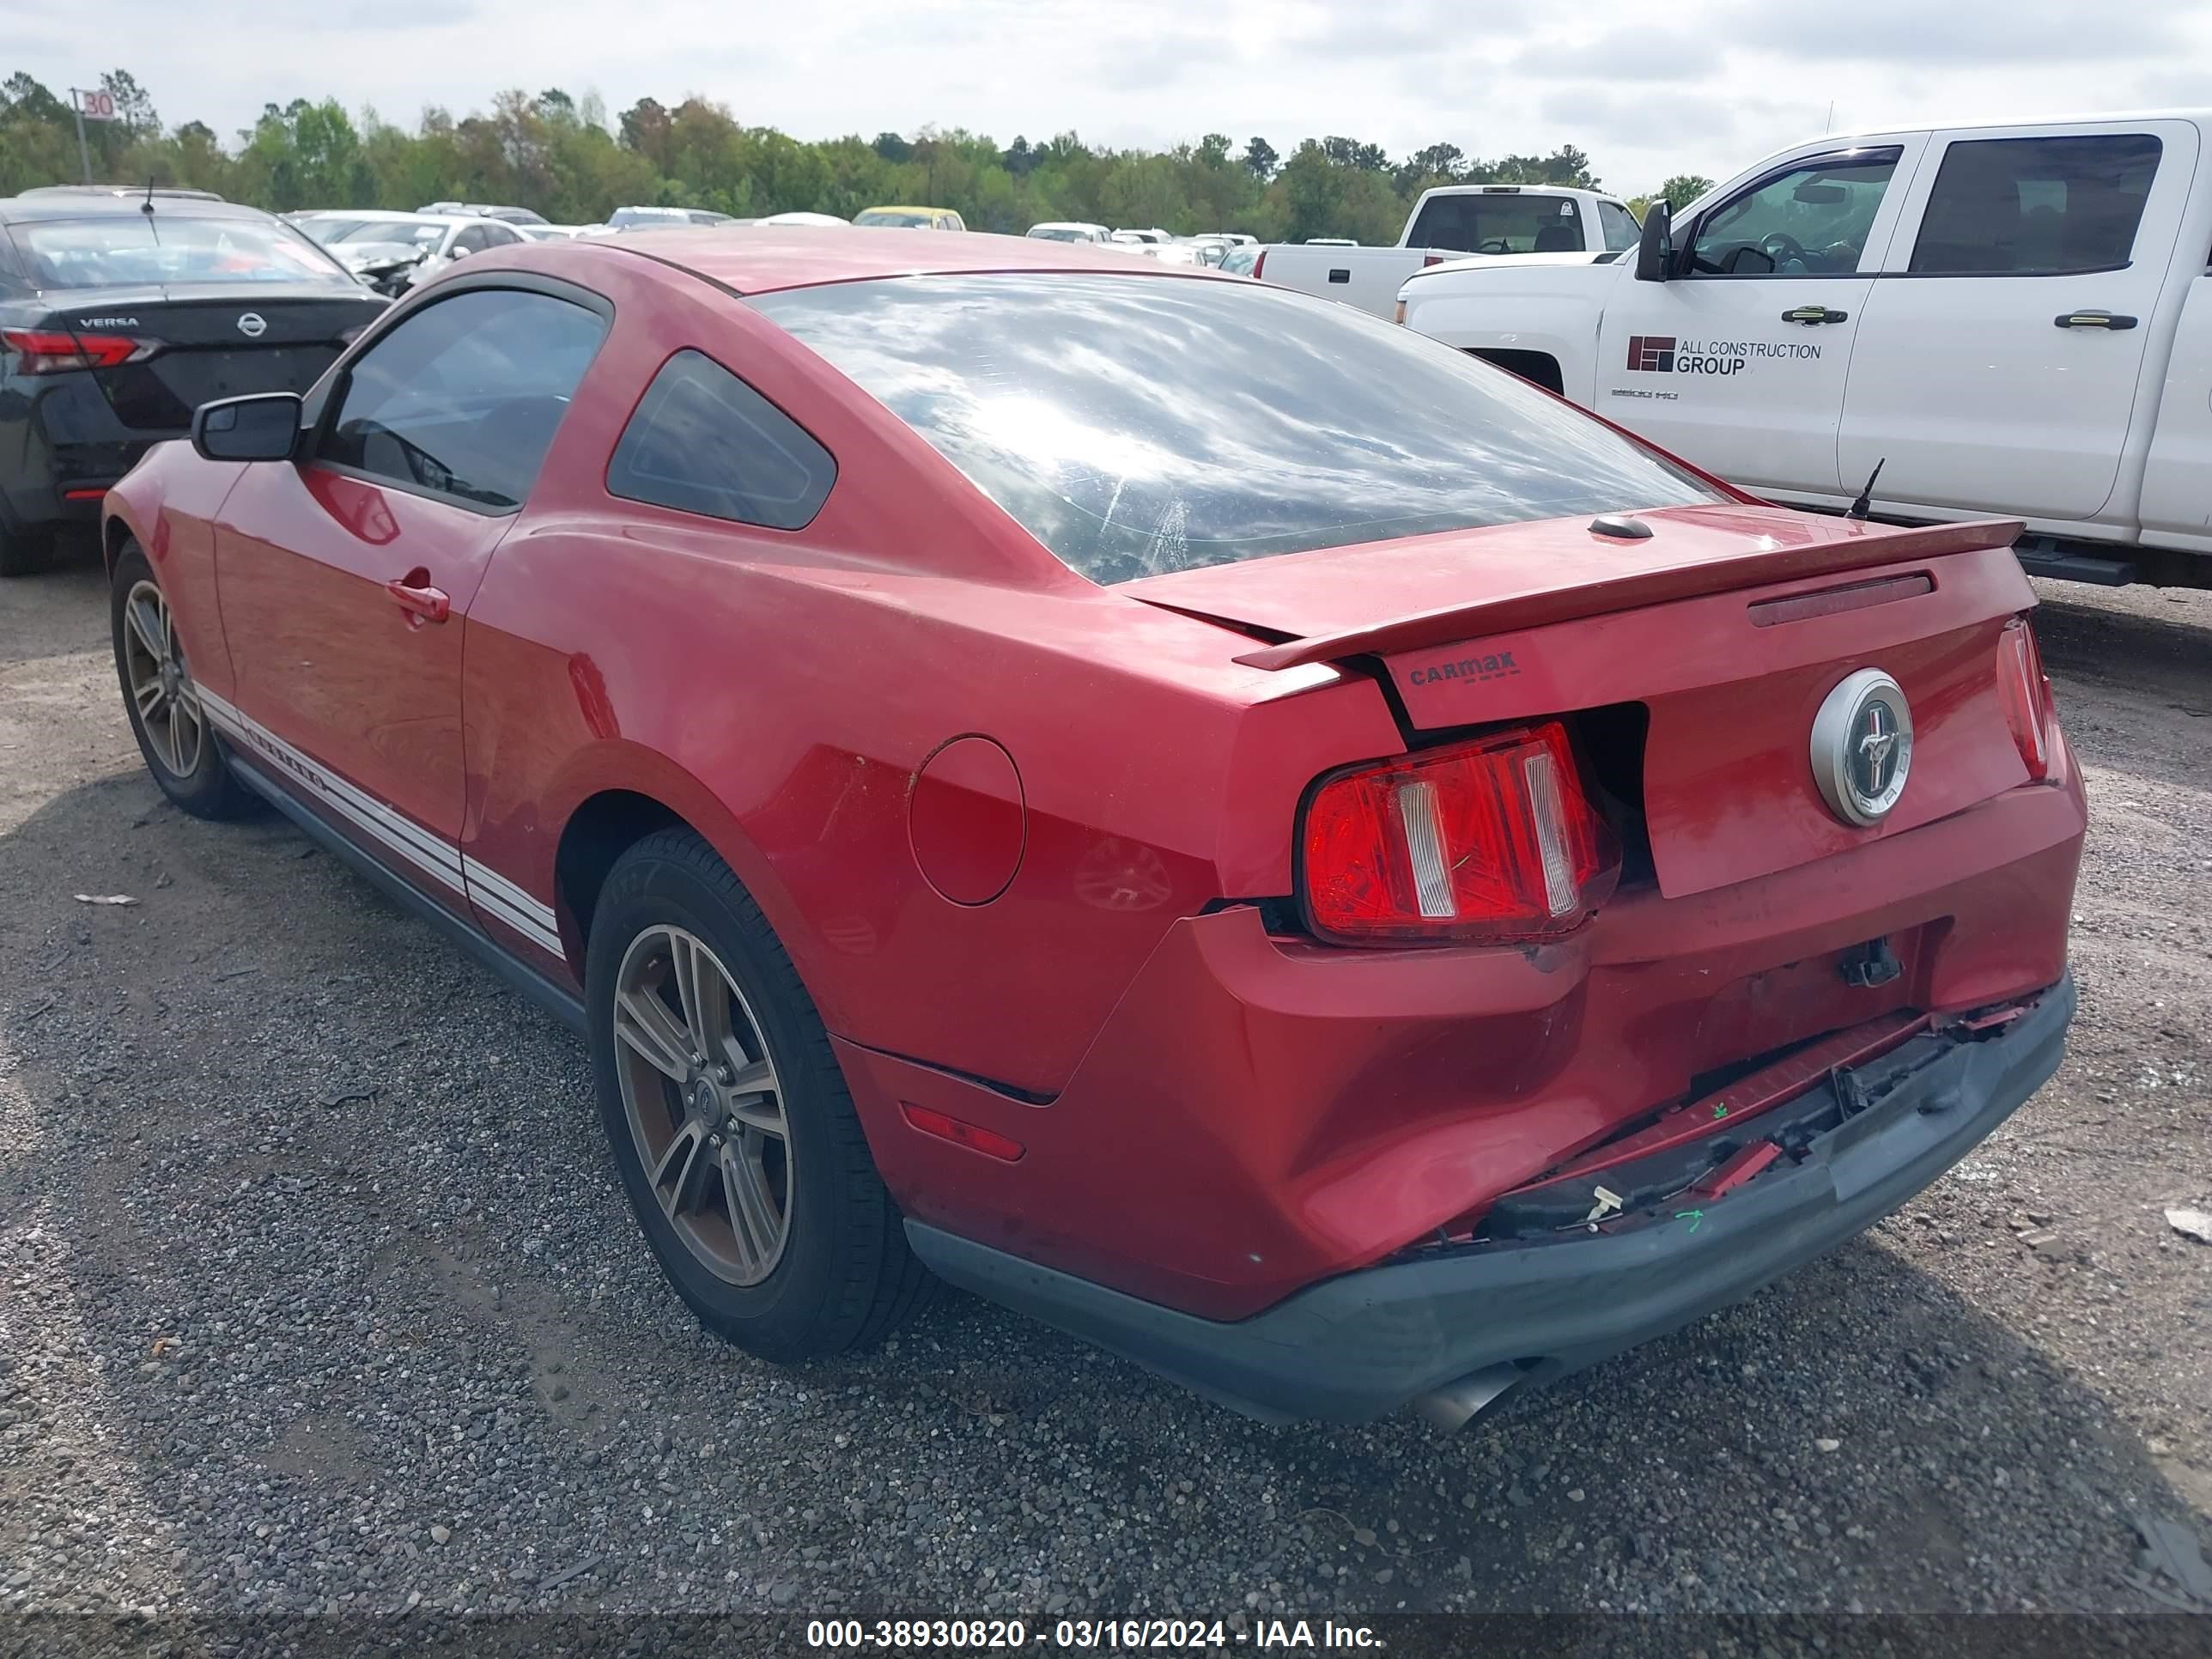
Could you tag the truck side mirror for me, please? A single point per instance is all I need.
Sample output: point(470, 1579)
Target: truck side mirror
point(1655, 249)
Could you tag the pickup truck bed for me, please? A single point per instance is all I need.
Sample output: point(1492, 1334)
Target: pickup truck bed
point(1452, 223)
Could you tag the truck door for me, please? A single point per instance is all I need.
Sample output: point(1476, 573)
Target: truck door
point(1738, 361)
point(2000, 358)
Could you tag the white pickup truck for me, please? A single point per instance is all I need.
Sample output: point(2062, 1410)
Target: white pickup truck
point(1451, 222)
point(2008, 319)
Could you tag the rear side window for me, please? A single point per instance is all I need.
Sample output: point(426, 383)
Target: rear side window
point(1500, 224)
point(2036, 207)
point(704, 441)
point(462, 398)
point(1140, 425)
point(1619, 226)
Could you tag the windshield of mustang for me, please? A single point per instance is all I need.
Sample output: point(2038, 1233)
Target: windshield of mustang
point(1137, 425)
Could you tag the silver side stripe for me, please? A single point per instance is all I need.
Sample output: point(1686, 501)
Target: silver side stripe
point(440, 859)
point(419, 844)
point(483, 876)
point(410, 842)
point(537, 933)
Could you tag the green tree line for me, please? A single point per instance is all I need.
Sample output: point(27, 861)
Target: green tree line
point(562, 156)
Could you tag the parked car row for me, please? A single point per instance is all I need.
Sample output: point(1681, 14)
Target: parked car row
point(392, 251)
point(1206, 248)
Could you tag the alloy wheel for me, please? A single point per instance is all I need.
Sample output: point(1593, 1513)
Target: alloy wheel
point(163, 695)
point(704, 1104)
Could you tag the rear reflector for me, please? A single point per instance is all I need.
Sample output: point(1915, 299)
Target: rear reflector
point(1491, 840)
point(84, 494)
point(51, 351)
point(2030, 709)
point(973, 1136)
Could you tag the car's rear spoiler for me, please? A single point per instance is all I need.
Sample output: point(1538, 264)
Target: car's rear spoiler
point(1505, 612)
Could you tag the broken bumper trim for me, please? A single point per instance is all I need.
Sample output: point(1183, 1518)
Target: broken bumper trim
point(1355, 1347)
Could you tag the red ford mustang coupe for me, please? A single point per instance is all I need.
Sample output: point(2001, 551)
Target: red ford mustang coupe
point(1237, 829)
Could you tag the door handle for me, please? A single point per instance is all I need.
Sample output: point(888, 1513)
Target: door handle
point(2093, 320)
point(423, 603)
point(1812, 314)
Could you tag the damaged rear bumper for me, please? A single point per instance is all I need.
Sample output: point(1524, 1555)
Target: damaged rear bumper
point(1366, 1343)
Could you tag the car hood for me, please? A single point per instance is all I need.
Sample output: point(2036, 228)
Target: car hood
point(1341, 602)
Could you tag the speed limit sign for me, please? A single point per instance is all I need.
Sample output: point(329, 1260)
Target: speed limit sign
point(96, 106)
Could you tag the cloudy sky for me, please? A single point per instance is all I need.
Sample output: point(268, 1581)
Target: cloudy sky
point(1704, 86)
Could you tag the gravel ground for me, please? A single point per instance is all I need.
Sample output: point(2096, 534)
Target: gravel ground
point(316, 1291)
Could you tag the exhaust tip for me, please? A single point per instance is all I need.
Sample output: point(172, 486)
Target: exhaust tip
point(1454, 1405)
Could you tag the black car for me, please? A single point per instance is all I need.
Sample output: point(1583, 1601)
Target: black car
point(121, 314)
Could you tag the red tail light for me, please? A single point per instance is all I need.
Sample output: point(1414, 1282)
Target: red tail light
point(1489, 840)
point(50, 352)
point(2030, 709)
point(1259, 264)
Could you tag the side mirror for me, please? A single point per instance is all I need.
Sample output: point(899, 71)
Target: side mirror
point(456, 252)
point(263, 428)
point(1655, 249)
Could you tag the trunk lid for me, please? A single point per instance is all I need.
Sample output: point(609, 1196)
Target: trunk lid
point(1727, 627)
point(215, 341)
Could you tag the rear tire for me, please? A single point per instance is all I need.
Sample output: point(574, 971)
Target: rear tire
point(180, 748)
point(731, 1125)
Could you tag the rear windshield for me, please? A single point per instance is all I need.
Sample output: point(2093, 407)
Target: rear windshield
point(135, 249)
point(397, 233)
point(1137, 425)
point(326, 227)
point(1500, 224)
point(895, 220)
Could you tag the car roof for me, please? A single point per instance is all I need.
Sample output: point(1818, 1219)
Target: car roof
point(90, 204)
point(769, 258)
point(901, 207)
point(2199, 114)
point(448, 220)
